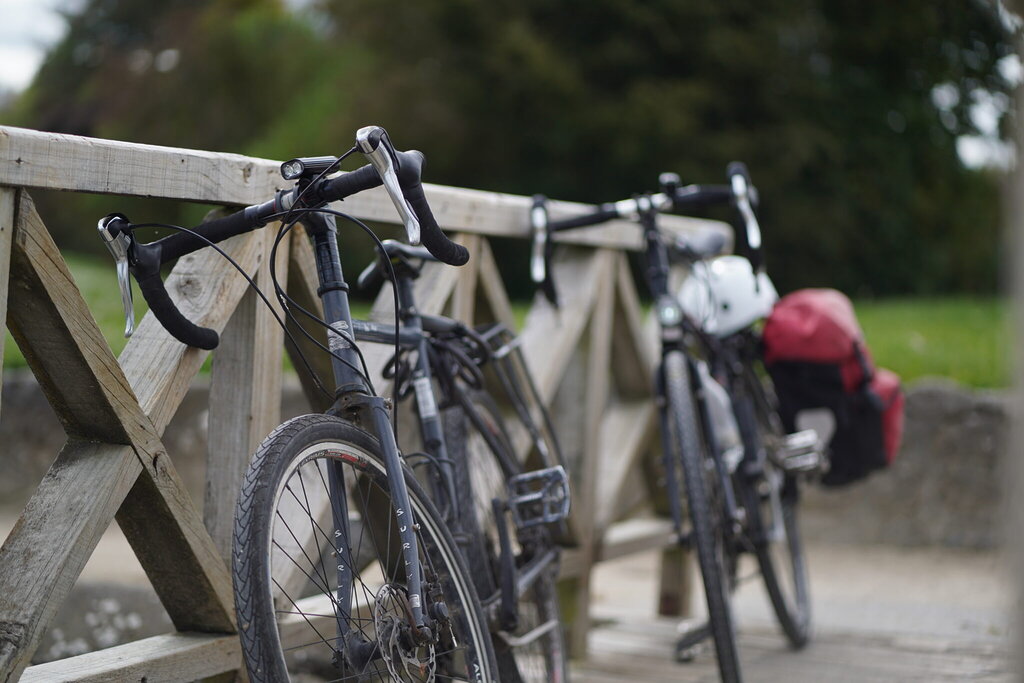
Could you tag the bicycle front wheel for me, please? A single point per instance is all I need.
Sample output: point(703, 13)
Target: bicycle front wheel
point(319, 575)
point(707, 532)
point(534, 651)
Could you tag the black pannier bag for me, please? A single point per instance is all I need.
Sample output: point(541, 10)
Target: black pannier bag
point(815, 353)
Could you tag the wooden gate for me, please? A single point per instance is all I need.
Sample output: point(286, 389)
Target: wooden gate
point(114, 410)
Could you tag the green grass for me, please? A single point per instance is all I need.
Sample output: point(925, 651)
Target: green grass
point(97, 280)
point(966, 339)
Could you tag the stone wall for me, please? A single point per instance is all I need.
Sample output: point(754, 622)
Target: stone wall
point(944, 487)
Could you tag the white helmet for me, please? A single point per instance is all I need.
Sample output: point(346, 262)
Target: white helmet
point(724, 296)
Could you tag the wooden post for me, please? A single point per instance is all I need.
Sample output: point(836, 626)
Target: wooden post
point(595, 401)
point(245, 395)
point(8, 200)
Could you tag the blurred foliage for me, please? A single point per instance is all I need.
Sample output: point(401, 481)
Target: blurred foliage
point(830, 102)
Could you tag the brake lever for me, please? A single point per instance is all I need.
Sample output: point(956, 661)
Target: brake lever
point(539, 225)
point(741, 191)
point(119, 243)
point(374, 143)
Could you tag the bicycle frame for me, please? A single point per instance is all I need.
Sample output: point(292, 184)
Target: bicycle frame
point(355, 401)
point(413, 333)
point(678, 334)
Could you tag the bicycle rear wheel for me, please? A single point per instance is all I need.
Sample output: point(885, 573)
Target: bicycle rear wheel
point(772, 508)
point(292, 542)
point(535, 650)
point(707, 525)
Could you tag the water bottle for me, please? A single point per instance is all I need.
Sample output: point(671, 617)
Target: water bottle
point(719, 407)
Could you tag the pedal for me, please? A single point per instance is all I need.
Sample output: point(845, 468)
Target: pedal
point(801, 452)
point(539, 497)
point(691, 641)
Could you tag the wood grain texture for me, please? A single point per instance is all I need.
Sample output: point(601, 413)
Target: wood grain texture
point(550, 335)
point(53, 539)
point(31, 158)
point(464, 299)
point(245, 395)
point(491, 288)
point(8, 200)
point(595, 400)
point(626, 432)
point(63, 344)
point(94, 399)
point(207, 289)
point(302, 286)
point(161, 659)
point(620, 539)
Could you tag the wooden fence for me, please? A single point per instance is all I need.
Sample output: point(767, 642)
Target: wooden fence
point(592, 360)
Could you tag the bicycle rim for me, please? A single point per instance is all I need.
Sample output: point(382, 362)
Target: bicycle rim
point(290, 550)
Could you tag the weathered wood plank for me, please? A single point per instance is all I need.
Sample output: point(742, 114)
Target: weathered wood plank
point(585, 501)
point(168, 658)
point(93, 397)
point(181, 656)
point(625, 433)
point(635, 348)
point(492, 288)
point(302, 286)
point(245, 395)
point(53, 539)
point(63, 344)
point(620, 539)
point(8, 200)
point(551, 335)
point(158, 516)
point(31, 158)
point(463, 302)
point(207, 290)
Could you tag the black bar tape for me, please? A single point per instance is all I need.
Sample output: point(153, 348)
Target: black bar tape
point(348, 184)
point(705, 195)
point(409, 177)
point(180, 327)
point(181, 243)
point(604, 214)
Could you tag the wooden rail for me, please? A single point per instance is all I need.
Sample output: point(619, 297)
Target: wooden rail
point(592, 360)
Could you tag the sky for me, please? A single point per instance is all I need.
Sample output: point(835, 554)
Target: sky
point(27, 29)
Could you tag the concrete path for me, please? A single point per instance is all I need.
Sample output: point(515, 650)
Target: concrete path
point(880, 614)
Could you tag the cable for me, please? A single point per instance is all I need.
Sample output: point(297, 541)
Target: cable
point(391, 276)
point(134, 226)
point(285, 300)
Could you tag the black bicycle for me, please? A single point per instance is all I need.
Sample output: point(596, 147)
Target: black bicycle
point(343, 563)
point(722, 440)
point(505, 507)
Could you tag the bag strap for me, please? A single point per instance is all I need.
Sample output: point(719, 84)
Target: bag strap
point(868, 374)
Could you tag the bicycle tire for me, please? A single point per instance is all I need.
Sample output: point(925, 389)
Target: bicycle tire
point(293, 459)
point(778, 546)
point(478, 472)
point(706, 526)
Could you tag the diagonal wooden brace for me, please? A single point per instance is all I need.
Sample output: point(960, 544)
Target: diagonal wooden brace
point(114, 437)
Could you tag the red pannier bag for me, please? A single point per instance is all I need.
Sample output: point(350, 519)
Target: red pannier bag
point(815, 353)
